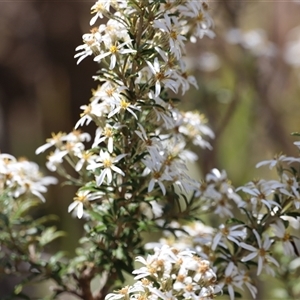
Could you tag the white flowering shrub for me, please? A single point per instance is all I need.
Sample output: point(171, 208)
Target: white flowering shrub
point(132, 178)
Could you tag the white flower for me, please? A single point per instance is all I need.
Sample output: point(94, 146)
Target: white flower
point(126, 291)
point(90, 111)
point(231, 280)
point(107, 162)
point(103, 134)
point(56, 139)
point(161, 77)
point(260, 192)
point(155, 167)
point(123, 105)
point(192, 125)
point(246, 279)
point(262, 252)
point(109, 92)
point(162, 112)
point(113, 51)
point(283, 235)
point(55, 159)
point(22, 177)
point(277, 161)
point(100, 7)
point(234, 234)
point(82, 196)
point(172, 27)
point(148, 141)
point(85, 157)
point(91, 45)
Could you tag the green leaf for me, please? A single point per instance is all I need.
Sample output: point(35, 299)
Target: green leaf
point(25, 206)
point(294, 214)
point(49, 235)
point(5, 219)
point(295, 133)
point(18, 289)
point(96, 216)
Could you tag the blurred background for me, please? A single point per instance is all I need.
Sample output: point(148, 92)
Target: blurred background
point(248, 76)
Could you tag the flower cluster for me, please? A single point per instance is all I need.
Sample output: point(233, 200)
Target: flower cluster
point(22, 177)
point(170, 273)
point(259, 234)
point(132, 175)
point(141, 135)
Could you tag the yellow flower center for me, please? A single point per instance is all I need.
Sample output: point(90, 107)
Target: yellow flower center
point(160, 76)
point(124, 104)
point(200, 17)
point(109, 92)
point(123, 291)
point(262, 252)
point(173, 35)
point(113, 49)
point(98, 7)
point(107, 163)
point(180, 278)
point(108, 132)
point(80, 198)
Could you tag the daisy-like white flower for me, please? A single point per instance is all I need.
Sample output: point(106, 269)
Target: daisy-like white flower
point(107, 162)
point(148, 141)
point(90, 112)
point(183, 79)
point(248, 282)
point(90, 46)
point(161, 77)
point(113, 51)
point(284, 236)
point(262, 252)
point(108, 92)
point(291, 189)
point(99, 8)
point(22, 177)
point(231, 280)
point(192, 125)
point(172, 27)
point(56, 139)
point(233, 234)
point(55, 159)
point(85, 157)
point(79, 199)
point(260, 193)
point(122, 105)
point(162, 112)
point(105, 134)
point(125, 292)
point(76, 136)
point(158, 176)
point(277, 161)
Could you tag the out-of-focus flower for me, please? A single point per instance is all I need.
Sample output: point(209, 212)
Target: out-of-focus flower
point(292, 48)
point(20, 177)
point(261, 251)
point(209, 62)
point(255, 41)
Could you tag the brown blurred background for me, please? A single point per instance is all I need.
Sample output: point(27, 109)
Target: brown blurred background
point(249, 84)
